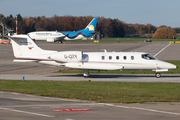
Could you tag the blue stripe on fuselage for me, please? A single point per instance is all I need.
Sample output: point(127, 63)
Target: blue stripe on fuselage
point(72, 34)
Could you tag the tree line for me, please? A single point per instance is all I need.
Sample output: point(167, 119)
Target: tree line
point(106, 26)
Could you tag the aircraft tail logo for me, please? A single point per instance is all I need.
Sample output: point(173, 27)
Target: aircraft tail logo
point(91, 28)
point(92, 25)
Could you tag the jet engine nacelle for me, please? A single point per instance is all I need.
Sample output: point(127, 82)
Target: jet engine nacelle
point(67, 56)
point(50, 39)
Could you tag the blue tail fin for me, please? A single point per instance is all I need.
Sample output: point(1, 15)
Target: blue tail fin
point(87, 32)
point(92, 25)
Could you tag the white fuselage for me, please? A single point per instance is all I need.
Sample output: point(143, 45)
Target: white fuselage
point(129, 60)
point(44, 35)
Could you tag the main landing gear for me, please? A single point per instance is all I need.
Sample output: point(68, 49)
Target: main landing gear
point(60, 41)
point(86, 73)
point(157, 75)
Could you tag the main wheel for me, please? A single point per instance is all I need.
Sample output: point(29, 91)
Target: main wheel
point(86, 74)
point(158, 75)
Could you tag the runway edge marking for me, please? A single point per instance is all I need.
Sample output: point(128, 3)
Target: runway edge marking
point(26, 112)
point(137, 108)
point(162, 50)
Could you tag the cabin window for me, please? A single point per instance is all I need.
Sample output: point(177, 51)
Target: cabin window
point(103, 57)
point(117, 57)
point(148, 57)
point(110, 57)
point(132, 57)
point(125, 57)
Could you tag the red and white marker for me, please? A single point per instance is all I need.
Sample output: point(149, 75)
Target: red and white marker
point(71, 109)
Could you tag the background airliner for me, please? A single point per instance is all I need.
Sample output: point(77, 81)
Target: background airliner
point(49, 36)
point(26, 50)
point(81, 34)
point(52, 36)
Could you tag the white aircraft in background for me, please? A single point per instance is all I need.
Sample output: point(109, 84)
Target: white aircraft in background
point(26, 50)
point(51, 36)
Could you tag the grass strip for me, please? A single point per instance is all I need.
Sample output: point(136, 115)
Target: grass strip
point(123, 40)
point(108, 92)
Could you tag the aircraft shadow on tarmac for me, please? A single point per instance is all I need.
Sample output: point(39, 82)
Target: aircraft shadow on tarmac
point(118, 76)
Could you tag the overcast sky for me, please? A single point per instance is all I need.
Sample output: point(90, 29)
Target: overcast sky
point(155, 12)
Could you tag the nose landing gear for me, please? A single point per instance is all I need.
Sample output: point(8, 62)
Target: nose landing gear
point(157, 75)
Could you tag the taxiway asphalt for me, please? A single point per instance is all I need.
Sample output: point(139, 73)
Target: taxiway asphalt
point(16, 106)
point(95, 77)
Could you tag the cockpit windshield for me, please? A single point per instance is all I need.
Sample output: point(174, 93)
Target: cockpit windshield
point(148, 57)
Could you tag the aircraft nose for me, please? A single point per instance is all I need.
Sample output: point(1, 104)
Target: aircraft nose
point(166, 65)
point(171, 66)
point(174, 66)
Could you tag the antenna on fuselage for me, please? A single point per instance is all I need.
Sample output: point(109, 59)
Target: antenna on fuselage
point(104, 50)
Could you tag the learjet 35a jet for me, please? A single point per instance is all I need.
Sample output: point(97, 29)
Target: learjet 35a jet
point(26, 50)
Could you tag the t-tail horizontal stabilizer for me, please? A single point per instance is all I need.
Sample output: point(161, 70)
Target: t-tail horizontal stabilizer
point(25, 49)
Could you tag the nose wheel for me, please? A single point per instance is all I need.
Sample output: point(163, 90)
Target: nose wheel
point(157, 75)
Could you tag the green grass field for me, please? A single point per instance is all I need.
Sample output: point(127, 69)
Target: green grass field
point(177, 63)
point(109, 92)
